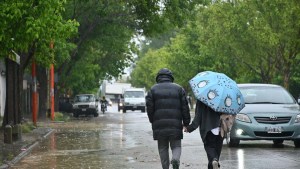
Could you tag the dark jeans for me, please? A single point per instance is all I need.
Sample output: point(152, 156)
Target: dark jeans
point(213, 147)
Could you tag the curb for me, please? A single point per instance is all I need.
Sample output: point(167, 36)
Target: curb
point(26, 152)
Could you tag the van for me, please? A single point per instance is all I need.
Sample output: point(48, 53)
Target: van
point(134, 99)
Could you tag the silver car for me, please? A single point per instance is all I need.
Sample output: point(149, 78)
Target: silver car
point(271, 113)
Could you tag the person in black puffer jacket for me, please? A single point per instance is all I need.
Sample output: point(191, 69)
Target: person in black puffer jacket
point(168, 112)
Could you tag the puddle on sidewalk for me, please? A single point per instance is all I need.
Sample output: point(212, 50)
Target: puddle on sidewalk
point(90, 146)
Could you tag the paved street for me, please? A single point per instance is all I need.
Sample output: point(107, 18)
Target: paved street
point(115, 140)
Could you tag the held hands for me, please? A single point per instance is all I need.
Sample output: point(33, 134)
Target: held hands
point(185, 129)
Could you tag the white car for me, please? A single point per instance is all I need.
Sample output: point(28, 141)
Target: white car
point(86, 104)
point(134, 99)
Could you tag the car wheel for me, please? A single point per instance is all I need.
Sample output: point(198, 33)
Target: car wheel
point(278, 142)
point(297, 143)
point(234, 142)
point(96, 114)
point(124, 110)
point(75, 115)
point(143, 110)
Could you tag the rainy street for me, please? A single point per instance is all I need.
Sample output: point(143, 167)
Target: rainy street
point(124, 141)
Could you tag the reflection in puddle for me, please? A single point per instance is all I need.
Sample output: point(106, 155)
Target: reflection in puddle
point(83, 146)
point(116, 137)
point(113, 135)
point(240, 156)
point(130, 159)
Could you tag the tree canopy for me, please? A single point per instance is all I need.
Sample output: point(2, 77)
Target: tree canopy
point(24, 30)
point(104, 43)
point(249, 40)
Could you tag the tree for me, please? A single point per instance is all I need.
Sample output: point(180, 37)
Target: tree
point(106, 31)
point(260, 37)
point(29, 33)
point(251, 41)
point(147, 67)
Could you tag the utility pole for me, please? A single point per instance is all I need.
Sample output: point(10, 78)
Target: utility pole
point(52, 91)
point(34, 93)
point(52, 86)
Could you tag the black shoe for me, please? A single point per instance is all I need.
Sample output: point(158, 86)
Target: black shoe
point(175, 164)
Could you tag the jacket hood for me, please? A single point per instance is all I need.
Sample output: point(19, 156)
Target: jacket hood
point(164, 74)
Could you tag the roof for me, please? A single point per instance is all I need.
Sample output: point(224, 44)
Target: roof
point(116, 88)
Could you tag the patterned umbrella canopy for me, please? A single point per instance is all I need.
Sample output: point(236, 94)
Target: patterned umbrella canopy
point(217, 91)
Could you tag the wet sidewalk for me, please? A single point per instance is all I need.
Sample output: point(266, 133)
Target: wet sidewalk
point(12, 153)
point(118, 140)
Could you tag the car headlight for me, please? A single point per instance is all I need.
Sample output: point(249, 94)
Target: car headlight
point(297, 120)
point(120, 104)
point(239, 132)
point(243, 117)
point(75, 106)
point(92, 105)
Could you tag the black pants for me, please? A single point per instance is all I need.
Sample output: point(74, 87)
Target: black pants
point(213, 147)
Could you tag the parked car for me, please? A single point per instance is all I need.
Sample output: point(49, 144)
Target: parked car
point(65, 104)
point(85, 104)
point(271, 113)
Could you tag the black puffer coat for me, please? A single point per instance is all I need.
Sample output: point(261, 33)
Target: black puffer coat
point(167, 107)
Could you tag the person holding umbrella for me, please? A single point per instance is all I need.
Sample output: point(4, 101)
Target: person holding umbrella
point(209, 122)
point(168, 112)
point(218, 100)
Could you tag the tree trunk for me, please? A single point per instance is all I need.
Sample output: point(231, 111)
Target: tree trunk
point(286, 77)
point(42, 79)
point(14, 84)
point(56, 98)
point(12, 109)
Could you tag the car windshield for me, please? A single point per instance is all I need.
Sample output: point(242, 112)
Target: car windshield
point(134, 94)
point(266, 95)
point(84, 98)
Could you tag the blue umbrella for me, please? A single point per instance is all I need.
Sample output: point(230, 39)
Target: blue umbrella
point(217, 91)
